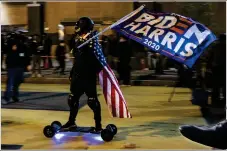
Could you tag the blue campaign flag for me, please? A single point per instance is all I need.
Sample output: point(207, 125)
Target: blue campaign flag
point(175, 36)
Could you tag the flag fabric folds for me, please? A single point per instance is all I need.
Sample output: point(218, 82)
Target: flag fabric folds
point(114, 98)
point(172, 35)
point(175, 36)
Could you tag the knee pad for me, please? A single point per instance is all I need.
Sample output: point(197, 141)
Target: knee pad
point(93, 103)
point(72, 100)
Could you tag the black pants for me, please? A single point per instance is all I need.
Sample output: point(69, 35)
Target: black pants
point(2, 57)
point(61, 61)
point(36, 64)
point(185, 78)
point(78, 87)
point(50, 61)
point(159, 65)
point(218, 83)
point(124, 71)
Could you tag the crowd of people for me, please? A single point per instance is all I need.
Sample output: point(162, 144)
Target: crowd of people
point(34, 45)
point(40, 50)
point(24, 53)
point(209, 70)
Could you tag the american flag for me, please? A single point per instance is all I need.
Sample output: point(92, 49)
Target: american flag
point(114, 98)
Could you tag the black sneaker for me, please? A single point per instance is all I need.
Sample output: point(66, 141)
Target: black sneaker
point(98, 128)
point(69, 125)
point(15, 99)
point(5, 101)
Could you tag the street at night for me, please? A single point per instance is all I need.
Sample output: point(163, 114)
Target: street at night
point(113, 75)
point(154, 123)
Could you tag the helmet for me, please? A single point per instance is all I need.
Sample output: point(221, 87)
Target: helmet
point(84, 24)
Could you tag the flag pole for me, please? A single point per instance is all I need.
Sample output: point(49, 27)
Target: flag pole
point(114, 24)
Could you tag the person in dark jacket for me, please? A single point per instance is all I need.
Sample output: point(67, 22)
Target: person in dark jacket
point(37, 51)
point(72, 43)
point(47, 44)
point(17, 59)
point(83, 75)
point(217, 63)
point(112, 61)
point(185, 76)
point(60, 56)
point(124, 58)
point(4, 48)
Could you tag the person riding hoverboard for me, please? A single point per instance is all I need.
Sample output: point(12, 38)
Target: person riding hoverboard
point(83, 75)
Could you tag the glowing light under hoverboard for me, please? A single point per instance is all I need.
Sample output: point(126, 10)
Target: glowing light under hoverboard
point(98, 138)
point(59, 136)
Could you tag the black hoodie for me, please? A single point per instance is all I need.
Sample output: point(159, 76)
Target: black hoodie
point(18, 58)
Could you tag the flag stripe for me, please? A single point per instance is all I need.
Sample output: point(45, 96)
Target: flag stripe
point(111, 89)
point(122, 104)
point(121, 109)
point(121, 96)
point(125, 112)
point(114, 82)
point(109, 94)
point(113, 74)
point(113, 100)
point(117, 104)
point(100, 78)
point(105, 85)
